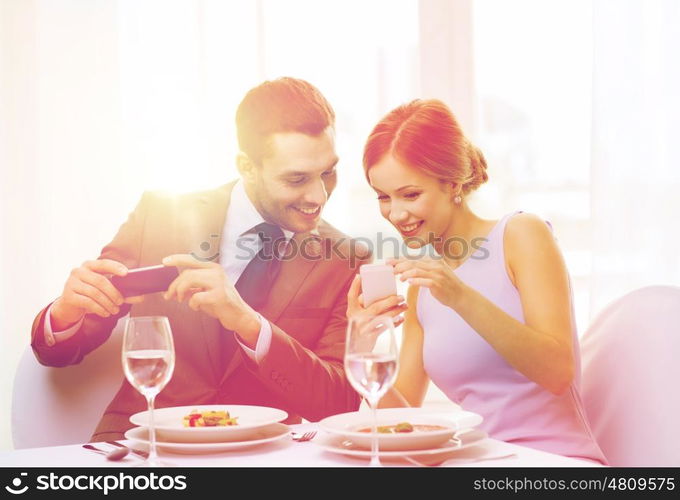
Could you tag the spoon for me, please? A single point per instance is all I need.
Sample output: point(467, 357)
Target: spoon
point(113, 455)
point(435, 462)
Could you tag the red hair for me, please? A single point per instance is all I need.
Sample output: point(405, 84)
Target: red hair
point(278, 106)
point(424, 134)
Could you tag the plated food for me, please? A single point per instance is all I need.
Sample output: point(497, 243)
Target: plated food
point(209, 418)
point(171, 423)
point(402, 428)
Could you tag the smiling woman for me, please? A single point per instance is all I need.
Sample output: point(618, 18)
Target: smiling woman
point(423, 134)
point(505, 317)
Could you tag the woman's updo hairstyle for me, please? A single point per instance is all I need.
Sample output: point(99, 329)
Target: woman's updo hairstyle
point(424, 134)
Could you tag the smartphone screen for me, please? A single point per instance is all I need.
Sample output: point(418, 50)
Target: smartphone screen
point(377, 282)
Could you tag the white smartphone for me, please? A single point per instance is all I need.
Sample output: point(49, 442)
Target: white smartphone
point(377, 282)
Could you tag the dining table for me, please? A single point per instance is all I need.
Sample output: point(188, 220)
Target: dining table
point(288, 452)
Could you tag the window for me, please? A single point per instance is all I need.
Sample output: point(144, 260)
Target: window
point(533, 72)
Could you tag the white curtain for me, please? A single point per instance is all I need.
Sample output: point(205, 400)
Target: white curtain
point(100, 100)
point(635, 172)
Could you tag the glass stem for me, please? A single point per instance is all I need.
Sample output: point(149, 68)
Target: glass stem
point(375, 459)
point(153, 456)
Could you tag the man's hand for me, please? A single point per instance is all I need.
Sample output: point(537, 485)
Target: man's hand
point(207, 289)
point(89, 291)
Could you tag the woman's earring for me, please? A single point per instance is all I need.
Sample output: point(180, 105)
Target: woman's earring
point(457, 200)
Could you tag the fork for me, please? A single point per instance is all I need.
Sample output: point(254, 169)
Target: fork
point(139, 453)
point(300, 438)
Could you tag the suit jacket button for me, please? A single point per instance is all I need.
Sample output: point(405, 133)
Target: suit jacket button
point(274, 374)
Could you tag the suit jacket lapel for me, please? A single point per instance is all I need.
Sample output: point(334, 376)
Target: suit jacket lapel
point(309, 250)
point(288, 282)
point(205, 225)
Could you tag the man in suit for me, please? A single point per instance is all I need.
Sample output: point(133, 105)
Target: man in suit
point(273, 340)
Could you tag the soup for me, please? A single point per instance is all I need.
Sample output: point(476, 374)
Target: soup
point(405, 428)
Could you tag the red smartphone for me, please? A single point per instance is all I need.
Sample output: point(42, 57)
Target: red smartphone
point(144, 280)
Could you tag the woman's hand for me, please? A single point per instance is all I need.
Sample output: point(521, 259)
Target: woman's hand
point(392, 306)
point(434, 274)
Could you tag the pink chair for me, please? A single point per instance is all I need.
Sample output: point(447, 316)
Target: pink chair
point(631, 372)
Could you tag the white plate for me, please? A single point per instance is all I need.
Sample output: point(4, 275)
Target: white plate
point(169, 426)
point(262, 435)
point(348, 424)
point(462, 439)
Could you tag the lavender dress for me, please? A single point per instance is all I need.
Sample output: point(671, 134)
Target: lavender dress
point(471, 373)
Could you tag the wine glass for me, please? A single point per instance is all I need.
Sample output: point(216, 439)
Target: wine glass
point(371, 363)
point(148, 361)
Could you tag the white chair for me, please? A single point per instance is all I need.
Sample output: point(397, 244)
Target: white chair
point(631, 370)
point(57, 406)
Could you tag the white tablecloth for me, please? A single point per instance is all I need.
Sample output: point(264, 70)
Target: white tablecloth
point(285, 453)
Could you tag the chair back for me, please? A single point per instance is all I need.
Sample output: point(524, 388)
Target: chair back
point(631, 371)
point(58, 406)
